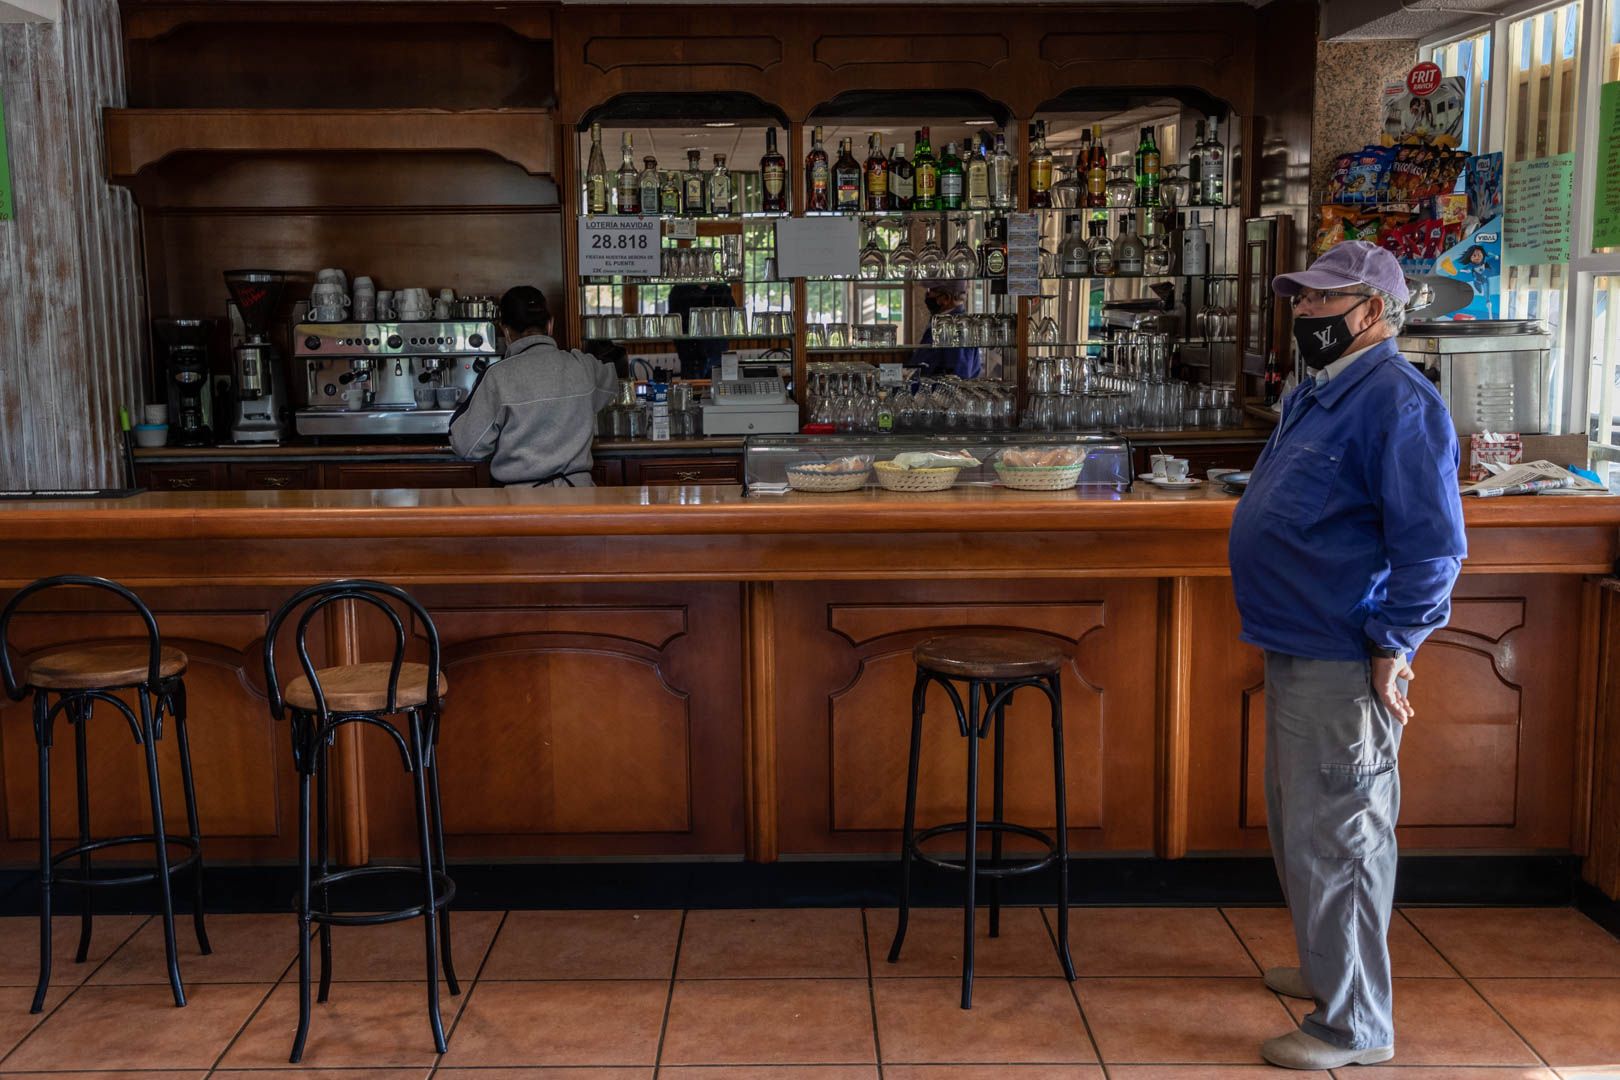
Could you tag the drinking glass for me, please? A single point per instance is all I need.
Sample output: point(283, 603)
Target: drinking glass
point(1173, 188)
point(1044, 330)
point(961, 262)
point(1121, 188)
point(872, 264)
point(903, 260)
point(930, 258)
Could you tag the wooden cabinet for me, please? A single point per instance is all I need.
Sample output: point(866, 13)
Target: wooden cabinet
point(273, 476)
point(168, 477)
point(666, 472)
point(608, 472)
point(406, 474)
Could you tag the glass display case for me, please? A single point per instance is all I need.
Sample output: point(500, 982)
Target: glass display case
point(1026, 461)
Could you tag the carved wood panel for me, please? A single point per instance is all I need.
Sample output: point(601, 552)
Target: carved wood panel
point(578, 720)
point(239, 758)
point(1487, 762)
point(843, 700)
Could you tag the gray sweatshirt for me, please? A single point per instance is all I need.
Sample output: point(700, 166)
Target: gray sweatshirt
point(533, 414)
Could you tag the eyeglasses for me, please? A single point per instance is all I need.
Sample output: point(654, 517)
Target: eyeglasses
point(1314, 298)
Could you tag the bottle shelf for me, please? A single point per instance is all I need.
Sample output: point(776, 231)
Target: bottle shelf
point(864, 349)
point(690, 337)
point(701, 219)
point(631, 280)
point(880, 214)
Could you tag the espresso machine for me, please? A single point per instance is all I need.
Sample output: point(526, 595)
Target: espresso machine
point(185, 379)
point(260, 388)
point(386, 378)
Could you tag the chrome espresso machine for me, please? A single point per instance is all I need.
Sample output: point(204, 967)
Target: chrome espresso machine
point(385, 378)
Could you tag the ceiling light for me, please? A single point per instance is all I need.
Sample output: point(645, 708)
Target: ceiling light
point(720, 123)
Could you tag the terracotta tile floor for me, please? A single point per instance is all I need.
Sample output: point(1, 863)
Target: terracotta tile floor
point(807, 994)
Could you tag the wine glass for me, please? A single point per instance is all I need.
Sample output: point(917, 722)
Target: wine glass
point(872, 260)
point(903, 260)
point(1045, 328)
point(1121, 188)
point(1174, 188)
point(930, 257)
point(961, 263)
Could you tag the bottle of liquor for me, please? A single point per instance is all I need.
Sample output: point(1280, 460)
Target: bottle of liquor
point(1074, 254)
point(817, 176)
point(926, 174)
point(1273, 379)
point(629, 185)
point(1001, 175)
point(902, 179)
point(1214, 167)
point(993, 249)
point(669, 193)
point(846, 179)
point(1040, 169)
point(1147, 170)
point(950, 179)
point(773, 175)
point(694, 187)
point(1130, 251)
point(1195, 168)
point(977, 195)
point(1097, 171)
point(1102, 250)
point(596, 181)
point(650, 182)
point(720, 188)
point(877, 174)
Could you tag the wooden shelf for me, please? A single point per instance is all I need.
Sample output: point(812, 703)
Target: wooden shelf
point(140, 138)
point(147, 20)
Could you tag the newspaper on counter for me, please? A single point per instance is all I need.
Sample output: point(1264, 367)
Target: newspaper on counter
point(1532, 478)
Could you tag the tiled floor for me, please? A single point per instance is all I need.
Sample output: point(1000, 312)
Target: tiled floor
point(1163, 994)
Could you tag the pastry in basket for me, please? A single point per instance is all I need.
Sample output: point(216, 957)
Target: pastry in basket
point(852, 464)
point(935, 459)
point(1062, 457)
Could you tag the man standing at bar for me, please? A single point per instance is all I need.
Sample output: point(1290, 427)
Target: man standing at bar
point(1344, 550)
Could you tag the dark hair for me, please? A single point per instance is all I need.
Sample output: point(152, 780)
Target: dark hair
point(524, 308)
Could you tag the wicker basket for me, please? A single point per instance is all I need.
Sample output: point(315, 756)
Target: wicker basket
point(806, 479)
point(1040, 478)
point(893, 478)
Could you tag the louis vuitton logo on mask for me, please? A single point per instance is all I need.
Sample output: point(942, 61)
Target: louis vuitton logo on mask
point(1322, 339)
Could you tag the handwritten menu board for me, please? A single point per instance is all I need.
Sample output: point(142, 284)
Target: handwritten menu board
point(5, 168)
point(1606, 209)
point(1536, 209)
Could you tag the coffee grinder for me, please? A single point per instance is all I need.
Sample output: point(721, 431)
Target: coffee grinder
point(260, 384)
point(185, 370)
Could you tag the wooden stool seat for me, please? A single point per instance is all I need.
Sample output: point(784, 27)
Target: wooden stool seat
point(101, 667)
point(990, 655)
point(364, 687)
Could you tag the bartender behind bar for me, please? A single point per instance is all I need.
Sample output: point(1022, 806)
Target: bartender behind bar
point(533, 413)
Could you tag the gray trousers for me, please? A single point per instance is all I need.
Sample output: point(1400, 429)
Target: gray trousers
point(1332, 797)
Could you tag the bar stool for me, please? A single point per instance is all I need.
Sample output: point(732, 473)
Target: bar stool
point(993, 665)
point(319, 702)
point(80, 677)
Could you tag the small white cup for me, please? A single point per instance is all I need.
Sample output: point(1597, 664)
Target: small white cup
point(1158, 463)
point(365, 308)
point(327, 313)
point(415, 298)
point(155, 414)
point(447, 397)
point(447, 294)
point(441, 308)
point(1175, 469)
point(333, 276)
point(364, 283)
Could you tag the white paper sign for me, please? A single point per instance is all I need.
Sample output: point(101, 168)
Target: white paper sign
point(817, 247)
point(1023, 255)
point(891, 374)
point(619, 245)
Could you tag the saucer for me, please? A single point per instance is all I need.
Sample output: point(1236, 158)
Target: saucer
point(1175, 485)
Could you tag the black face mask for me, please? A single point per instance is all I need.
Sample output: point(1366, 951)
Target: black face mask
point(936, 306)
point(1322, 339)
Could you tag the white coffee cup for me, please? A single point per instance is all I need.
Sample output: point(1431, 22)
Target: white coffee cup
point(333, 276)
point(442, 307)
point(447, 294)
point(1158, 463)
point(156, 414)
point(385, 303)
point(364, 283)
point(327, 313)
point(1175, 469)
point(365, 307)
point(327, 295)
point(413, 314)
point(415, 298)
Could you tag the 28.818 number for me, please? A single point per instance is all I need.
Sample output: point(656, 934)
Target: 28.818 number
point(618, 241)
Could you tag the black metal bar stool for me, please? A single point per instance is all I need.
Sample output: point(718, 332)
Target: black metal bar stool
point(994, 665)
point(319, 702)
point(78, 678)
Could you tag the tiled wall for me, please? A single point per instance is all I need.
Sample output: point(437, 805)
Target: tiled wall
point(1350, 77)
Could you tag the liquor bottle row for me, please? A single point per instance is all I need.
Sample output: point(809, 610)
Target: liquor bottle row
point(980, 176)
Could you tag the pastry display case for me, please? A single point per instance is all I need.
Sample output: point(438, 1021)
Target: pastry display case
point(1028, 461)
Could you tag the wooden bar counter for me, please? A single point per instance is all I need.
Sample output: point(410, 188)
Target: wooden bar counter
point(689, 672)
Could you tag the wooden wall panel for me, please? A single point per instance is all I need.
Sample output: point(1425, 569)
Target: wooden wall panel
point(72, 331)
point(579, 720)
point(1485, 764)
point(843, 694)
point(239, 757)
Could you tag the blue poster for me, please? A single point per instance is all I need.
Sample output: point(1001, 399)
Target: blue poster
point(1476, 261)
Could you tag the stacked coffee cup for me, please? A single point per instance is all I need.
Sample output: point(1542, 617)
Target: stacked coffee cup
point(329, 299)
point(413, 305)
point(365, 300)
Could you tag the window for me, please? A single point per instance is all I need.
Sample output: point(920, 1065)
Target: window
point(1470, 57)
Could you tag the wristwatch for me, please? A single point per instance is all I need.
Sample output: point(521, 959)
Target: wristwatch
point(1378, 651)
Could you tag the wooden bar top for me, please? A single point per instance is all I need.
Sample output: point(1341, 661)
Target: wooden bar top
point(690, 510)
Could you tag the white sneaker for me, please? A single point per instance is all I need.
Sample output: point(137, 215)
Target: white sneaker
point(1289, 982)
point(1297, 1050)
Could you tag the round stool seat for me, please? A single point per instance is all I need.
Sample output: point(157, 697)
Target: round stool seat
point(101, 667)
point(990, 655)
point(364, 687)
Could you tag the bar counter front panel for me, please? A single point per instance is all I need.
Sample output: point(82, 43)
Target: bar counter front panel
point(686, 672)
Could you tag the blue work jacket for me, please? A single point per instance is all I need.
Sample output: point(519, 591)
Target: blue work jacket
point(1351, 530)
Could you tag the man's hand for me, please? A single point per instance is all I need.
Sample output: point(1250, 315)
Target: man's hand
point(1385, 672)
